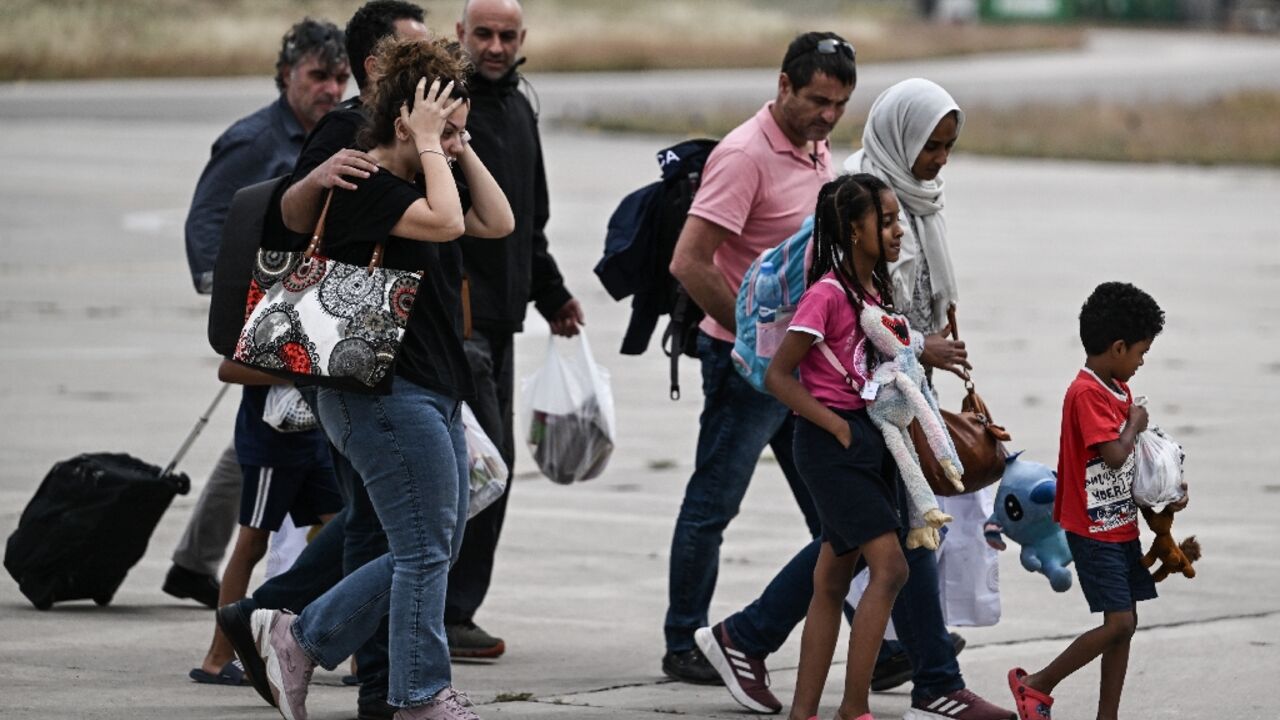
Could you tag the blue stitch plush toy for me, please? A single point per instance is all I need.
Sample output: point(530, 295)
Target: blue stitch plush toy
point(1024, 512)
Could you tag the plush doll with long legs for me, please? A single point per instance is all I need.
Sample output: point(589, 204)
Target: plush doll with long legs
point(902, 394)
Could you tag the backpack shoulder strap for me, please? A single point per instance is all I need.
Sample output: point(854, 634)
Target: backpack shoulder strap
point(830, 354)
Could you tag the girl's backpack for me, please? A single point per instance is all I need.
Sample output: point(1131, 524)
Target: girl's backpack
point(756, 342)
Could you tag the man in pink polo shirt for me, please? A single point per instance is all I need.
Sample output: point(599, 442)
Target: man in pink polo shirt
point(759, 184)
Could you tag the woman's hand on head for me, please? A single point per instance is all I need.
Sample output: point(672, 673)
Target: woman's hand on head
point(945, 354)
point(431, 110)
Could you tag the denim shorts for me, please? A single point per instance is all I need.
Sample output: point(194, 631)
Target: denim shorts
point(1111, 574)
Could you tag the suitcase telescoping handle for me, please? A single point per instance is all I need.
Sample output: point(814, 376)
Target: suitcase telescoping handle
point(195, 431)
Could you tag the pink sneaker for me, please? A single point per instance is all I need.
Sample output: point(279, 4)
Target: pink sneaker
point(288, 667)
point(448, 704)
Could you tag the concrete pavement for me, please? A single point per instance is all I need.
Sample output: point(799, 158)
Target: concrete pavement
point(102, 348)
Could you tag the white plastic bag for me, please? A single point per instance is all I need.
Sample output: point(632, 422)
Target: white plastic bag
point(968, 568)
point(1158, 477)
point(488, 470)
point(568, 413)
point(286, 411)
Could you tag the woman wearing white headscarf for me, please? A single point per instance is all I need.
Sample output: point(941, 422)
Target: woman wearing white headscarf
point(907, 139)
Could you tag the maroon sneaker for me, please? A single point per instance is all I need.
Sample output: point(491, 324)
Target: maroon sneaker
point(744, 676)
point(963, 704)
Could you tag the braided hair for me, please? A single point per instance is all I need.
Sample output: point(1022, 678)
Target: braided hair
point(841, 203)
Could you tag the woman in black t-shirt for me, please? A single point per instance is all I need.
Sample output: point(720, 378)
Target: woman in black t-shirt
point(408, 446)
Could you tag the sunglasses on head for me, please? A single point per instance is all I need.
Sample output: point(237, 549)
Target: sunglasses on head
point(829, 46)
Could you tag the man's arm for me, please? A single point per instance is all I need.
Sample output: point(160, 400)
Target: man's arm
point(234, 164)
point(547, 291)
point(324, 163)
point(693, 264)
point(300, 205)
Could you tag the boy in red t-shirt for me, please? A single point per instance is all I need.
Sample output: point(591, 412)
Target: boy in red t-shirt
point(1094, 504)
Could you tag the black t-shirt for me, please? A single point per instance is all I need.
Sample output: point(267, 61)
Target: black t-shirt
point(431, 352)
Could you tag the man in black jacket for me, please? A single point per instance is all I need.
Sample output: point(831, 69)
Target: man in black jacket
point(504, 134)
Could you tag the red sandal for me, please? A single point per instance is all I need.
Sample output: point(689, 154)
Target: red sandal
point(1031, 703)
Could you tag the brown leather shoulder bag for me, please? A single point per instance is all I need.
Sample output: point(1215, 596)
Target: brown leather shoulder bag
point(979, 441)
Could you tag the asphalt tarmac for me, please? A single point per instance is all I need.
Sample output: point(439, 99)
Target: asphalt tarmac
point(102, 348)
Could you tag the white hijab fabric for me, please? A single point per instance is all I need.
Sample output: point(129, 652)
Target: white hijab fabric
point(900, 123)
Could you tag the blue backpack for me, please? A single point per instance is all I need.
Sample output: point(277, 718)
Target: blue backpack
point(755, 343)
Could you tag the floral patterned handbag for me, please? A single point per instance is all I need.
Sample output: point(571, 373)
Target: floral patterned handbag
point(323, 322)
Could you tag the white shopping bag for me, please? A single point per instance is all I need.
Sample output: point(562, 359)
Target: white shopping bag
point(968, 568)
point(568, 416)
point(1157, 479)
point(286, 411)
point(488, 471)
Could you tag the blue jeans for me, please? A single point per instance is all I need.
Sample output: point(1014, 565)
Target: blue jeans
point(763, 626)
point(410, 449)
point(348, 541)
point(737, 423)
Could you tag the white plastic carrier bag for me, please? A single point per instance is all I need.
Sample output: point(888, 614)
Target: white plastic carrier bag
point(568, 415)
point(488, 471)
point(286, 411)
point(968, 568)
point(1157, 480)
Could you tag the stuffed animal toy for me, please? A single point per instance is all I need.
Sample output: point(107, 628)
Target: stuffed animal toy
point(1173, 557)
point(1024, 512)
point(901, 395)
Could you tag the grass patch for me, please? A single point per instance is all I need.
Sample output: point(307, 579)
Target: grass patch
point(49, 39)
point(1235, 129)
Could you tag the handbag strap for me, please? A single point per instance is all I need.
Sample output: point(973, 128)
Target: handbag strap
point(317, 238)
point(972, 401)
point(466, 307)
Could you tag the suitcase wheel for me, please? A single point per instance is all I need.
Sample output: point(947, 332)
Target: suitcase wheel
point(102, 600)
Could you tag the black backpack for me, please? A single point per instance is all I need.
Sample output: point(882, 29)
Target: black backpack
point(641, 239)
point(253, 222)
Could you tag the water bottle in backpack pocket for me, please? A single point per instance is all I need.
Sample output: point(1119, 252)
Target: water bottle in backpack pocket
point(771, 318)
point(767, 299)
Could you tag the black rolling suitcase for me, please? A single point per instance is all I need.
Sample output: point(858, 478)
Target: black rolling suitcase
point(89, 523)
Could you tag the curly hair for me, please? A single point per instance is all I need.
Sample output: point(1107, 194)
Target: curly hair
point(310, 37)
point(400, 64)
point(1118, 311)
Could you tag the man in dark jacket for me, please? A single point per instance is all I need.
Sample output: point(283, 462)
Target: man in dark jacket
point(504, 134)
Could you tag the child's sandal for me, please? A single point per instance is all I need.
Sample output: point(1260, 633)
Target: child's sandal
point(1031, 703)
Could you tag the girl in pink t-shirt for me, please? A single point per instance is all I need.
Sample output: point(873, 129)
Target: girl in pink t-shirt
point(840, 454)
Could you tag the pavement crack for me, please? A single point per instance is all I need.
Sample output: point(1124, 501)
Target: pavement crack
point(1141, 628)
point(563, 698)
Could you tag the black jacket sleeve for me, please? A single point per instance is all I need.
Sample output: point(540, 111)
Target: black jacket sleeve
point(547, 290)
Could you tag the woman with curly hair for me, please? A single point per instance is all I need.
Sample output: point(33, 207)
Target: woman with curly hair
point(408, 446)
